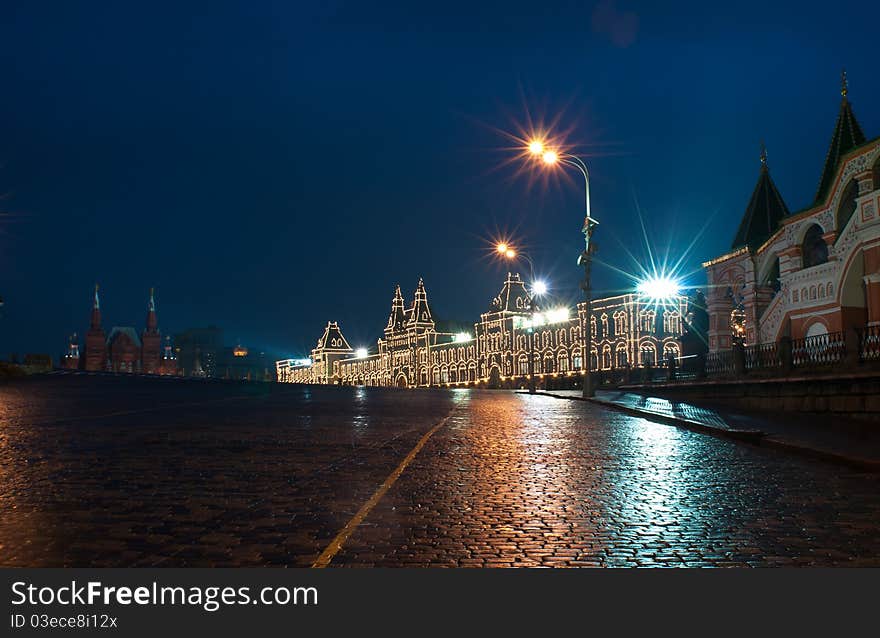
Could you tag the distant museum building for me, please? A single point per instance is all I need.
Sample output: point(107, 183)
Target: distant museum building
point(628, 331)
point(809, 273)
point(123, 350)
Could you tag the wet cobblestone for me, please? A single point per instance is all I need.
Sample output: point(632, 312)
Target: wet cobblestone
point(528, 480)
point(117, 472)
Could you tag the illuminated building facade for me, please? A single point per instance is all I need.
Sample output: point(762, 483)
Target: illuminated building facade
point(809, 273)
point(628, 331)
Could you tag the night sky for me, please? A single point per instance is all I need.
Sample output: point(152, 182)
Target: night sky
point(268, 166)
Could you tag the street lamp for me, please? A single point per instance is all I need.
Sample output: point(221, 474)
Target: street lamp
point(550, 157)
point(658, 288)
point(537, 288)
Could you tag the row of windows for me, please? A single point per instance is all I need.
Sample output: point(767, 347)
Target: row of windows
point(814, 292)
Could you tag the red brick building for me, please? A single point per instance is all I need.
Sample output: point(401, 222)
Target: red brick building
point(123, 351)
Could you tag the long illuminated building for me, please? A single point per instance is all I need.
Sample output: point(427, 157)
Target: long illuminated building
point(628, 331)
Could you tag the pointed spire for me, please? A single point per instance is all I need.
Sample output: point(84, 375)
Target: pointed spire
point(765, 210)
point(420, 313)
point(96, 311)
point(152, 321)
point(397, 318)
point(847, 136)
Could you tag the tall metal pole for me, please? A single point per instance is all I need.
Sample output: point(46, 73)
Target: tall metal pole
point(532, 360)
point(586, 261)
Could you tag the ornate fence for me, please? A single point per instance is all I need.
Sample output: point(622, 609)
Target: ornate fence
point(869, 344)
point(820, 350)
point(719, 363)
point(762, 356)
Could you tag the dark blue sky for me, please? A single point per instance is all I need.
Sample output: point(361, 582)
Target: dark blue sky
point(269, 166)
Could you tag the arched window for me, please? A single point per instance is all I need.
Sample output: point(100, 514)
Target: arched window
point(814, 248)
point(563, 362)
point(847, 206)
point(605, 325)
point(619, 322)
point(649, 355)
point(621, 356)
point(772, 278)
point(523, 365)
point(606, 357)
point(670, 322)
point(648, 321)
point(548, 362)
point(594, 360)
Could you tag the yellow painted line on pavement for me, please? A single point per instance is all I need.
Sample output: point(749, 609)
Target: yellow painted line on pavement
point(337, 543)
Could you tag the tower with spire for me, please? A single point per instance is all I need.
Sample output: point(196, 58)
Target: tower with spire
point(847, 136)
point(397, 318)
point(96, 339)
point(419, 318)
point(765, 211)
point(151, 340)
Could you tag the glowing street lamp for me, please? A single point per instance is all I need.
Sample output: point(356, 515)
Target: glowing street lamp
point(552, 158)
point(549, 157)
point(361, 353)
point(539, 287)
point(658, 288)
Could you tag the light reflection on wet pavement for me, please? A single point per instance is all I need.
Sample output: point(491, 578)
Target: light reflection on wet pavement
point(119, 472)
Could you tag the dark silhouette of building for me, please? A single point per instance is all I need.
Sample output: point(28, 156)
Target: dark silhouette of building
point(197, 351)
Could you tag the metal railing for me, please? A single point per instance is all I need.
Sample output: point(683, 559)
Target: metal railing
point(820, 350)
point(719, 363)
point(869, 344)
point(762, 356)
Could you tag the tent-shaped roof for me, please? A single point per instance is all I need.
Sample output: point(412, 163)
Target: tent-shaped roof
point(397, 318)
point(513, 296)
point(420, 313)
point(332, 339)
point(847, 136)
point(765, 210)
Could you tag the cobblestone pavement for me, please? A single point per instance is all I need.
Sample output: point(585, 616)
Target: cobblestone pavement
point(118, 472)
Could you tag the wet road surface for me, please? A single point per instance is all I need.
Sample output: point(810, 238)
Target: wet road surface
point(104, 471)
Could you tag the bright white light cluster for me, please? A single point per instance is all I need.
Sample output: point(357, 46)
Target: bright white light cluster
point(361, 353)
point(658, 287)
point(557, 315)
point(302, 362)
point(539, 287)
point(461, 337)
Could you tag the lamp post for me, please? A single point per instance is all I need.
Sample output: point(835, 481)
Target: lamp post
point(537, 288)
point(551, 158)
